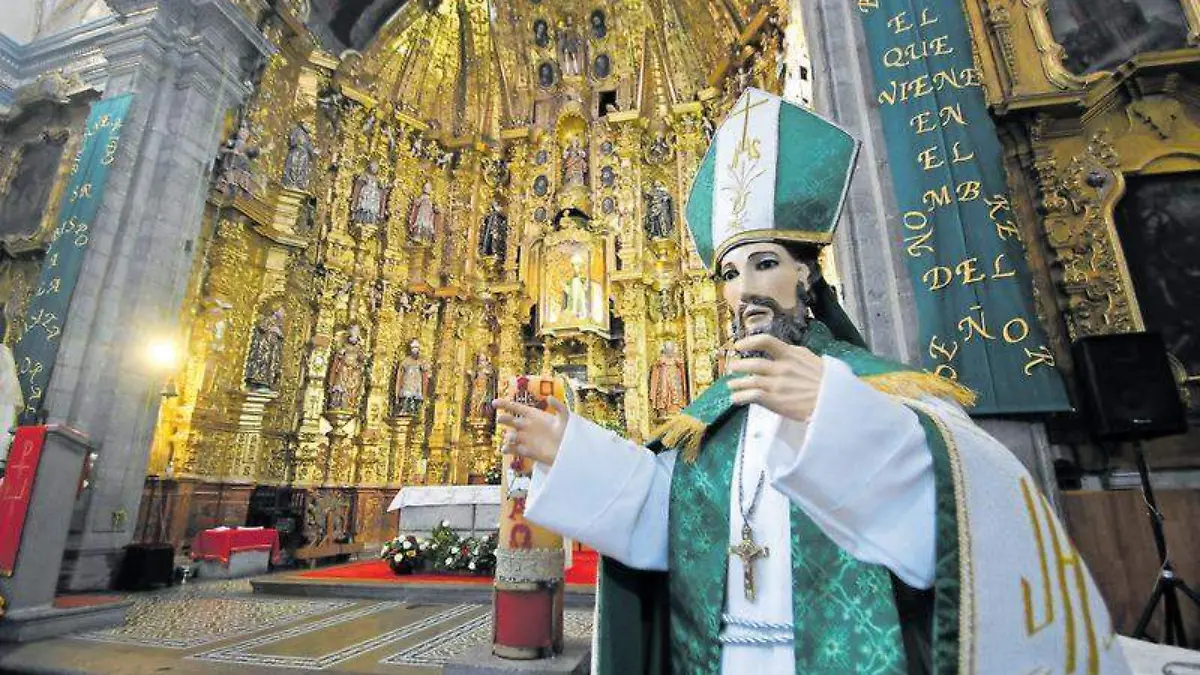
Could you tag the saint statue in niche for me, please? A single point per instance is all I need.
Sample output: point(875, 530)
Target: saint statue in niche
point(541, 33)
point(599, 27)
point(265, 359)
point(602, 66)
point(483, 389)
point(297, 164)
point(493, 232)
point(660, 216)
point(571, 45)
point(575, 291)
point(412, 381)
point(237, 157)
point(423, 217)
point(575, 163)
point(346, 372)
point(668, 384)
point(368, 200)
point(546, 75)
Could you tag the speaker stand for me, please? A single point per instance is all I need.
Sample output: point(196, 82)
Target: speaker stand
point(1168, 581)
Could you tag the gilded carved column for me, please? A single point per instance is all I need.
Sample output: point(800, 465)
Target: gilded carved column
point(631, 303)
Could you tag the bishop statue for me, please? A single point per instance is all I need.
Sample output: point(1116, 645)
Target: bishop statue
point(819, 510)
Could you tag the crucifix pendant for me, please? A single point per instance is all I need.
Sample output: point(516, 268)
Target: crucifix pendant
point(748, 551)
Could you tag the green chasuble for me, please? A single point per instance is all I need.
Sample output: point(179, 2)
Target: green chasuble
point(844, 611)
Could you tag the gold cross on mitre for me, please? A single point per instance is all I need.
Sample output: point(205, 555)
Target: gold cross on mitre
point(748, 551)
point(747, 145)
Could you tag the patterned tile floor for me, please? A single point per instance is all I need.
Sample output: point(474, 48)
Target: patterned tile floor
point(222, 626)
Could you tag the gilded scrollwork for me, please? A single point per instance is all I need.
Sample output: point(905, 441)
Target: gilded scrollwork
point(387, 210)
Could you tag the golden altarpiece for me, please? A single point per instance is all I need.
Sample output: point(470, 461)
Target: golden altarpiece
point(488, 189)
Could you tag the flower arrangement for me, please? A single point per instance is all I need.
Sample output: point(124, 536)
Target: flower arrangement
point(492, 477)
point(444, 551)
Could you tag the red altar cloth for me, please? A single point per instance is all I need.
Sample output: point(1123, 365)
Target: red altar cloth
point(219, 544)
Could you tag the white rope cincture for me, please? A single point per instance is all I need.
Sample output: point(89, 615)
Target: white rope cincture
point(755, 640)
point(756, 625)
point(768, 633)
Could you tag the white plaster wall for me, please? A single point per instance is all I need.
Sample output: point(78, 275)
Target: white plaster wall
point(28, 20)
point(18, 20)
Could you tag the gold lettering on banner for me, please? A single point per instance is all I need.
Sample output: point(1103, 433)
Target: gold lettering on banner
point(952, 113)
point(909, 216)
point(866, 6)
point(938, 349)
point(958, 157)
point(929, 160)
point(916, 245)
point(899, 23)
point(902, 56)
point(996, 204)
point(967, 270)
point(937, 198)
point(921, 122)
point(974, 326)
point(1039, 357)
point(1011, 336)
point(110, 151)
point(996, 273)
point(81, 192)
point(968, 191)
point(938, 277)
point(1006, 229)
point(926, 20)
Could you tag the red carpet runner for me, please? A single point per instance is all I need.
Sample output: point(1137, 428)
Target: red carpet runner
point(583, 572)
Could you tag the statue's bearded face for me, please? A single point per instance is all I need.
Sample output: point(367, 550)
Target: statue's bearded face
point(768, 290)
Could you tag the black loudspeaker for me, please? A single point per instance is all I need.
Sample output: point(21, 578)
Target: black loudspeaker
point(1128, 387)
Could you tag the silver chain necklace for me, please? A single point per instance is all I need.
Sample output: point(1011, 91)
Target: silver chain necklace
point(746, 549)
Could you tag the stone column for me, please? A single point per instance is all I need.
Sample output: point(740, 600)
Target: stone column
point(187, 62)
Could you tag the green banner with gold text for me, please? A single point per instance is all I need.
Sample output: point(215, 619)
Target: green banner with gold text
point(37, 348)
point(963, 250)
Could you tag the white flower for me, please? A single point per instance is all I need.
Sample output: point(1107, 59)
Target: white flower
point(399, 557)
point(445, 523)
point(383, 551)
point(406, 545)
point(449, 561)
point(471, 566)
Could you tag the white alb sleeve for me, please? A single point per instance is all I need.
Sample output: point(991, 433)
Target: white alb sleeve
point(862, 470)
point(606, 492)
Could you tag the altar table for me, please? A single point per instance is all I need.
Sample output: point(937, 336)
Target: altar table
point(225, 552)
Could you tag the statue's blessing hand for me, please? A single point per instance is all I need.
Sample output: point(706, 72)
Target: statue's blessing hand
point(786, 382)
point(532, 433)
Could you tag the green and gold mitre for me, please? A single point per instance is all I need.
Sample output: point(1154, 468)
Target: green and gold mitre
point(774, 171)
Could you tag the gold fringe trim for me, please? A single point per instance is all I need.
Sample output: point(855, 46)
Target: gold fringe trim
point(917, 385)
point(683, 432)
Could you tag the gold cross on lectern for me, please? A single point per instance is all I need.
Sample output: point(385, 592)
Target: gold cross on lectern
point(748, 551)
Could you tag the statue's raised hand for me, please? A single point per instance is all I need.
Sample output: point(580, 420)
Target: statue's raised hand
point(532, 433)
point(786, 382)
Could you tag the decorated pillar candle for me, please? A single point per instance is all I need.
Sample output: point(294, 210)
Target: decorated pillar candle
point(528, 602)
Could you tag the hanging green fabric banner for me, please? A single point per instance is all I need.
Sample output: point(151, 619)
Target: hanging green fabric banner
point(37, 348)
point(962, 247)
